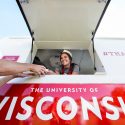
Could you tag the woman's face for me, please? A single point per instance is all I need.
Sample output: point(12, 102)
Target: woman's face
point(65, 60)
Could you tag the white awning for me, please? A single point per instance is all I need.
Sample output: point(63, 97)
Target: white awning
point(63, 21)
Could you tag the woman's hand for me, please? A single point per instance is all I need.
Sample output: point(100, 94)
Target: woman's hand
point(38, 69)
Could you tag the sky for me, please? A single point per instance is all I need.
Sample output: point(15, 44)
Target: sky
point(12, 23)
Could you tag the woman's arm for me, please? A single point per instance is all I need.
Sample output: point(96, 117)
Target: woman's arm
point(11, 68)
point(75, 70)
point(5, 79)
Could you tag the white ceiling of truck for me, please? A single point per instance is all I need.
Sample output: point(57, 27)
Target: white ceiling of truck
point(63, 20)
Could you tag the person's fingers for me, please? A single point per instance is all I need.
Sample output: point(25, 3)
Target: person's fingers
point(22, 75)
point(31, 74)
point(46, 71)
point(42, 72)
point(40, 69)
point(43, 67)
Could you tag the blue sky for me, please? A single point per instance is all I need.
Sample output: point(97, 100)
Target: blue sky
point(12, 23)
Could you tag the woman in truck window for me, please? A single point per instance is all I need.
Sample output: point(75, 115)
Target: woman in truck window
point(67, 67)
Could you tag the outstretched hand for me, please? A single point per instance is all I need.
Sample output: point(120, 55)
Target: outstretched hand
point(38, 69)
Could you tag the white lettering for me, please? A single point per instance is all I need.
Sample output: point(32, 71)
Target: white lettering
point(73, 105)
point(122, 104)
point(113, 116)
point(95, 109)
point(3, 102)
point(11, 108)
point(38, 108)
point(26, 107)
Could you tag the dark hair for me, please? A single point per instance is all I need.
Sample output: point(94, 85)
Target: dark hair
point(70, 69)
point(66, 54)
point(38, 61)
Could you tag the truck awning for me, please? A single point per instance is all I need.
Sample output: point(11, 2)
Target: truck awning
point(63, 20)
